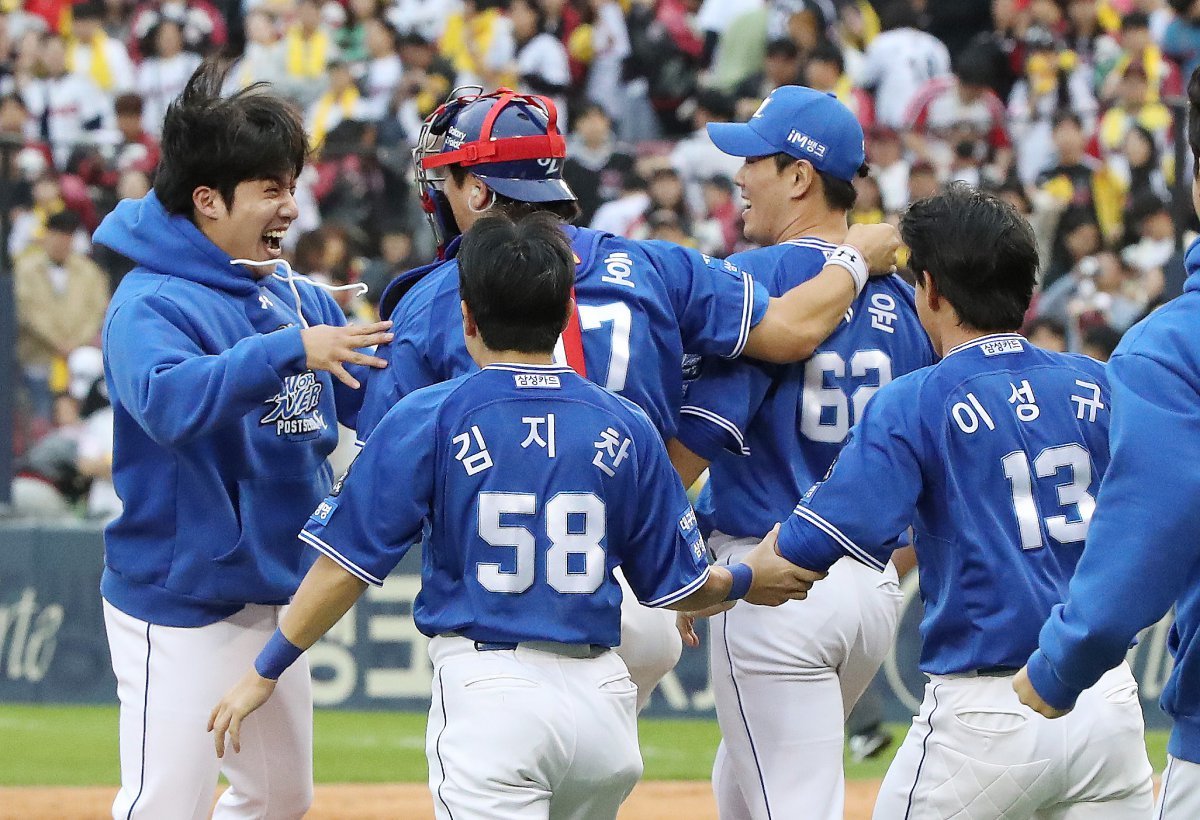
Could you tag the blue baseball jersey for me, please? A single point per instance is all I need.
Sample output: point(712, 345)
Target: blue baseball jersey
point(528, 485)
point(771, 431)
point(642, 305)
point(994, 455)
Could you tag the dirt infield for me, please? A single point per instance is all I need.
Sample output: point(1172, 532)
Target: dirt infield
point(649, 801)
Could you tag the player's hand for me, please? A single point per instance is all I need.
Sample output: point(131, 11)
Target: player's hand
point(878, 245)
point(685, 622)
point(776, 579)
point(251, 692)
point(331, 348)
point(1023, 686)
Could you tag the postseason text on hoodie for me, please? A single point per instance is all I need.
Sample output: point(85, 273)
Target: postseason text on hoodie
point(221, 432)
point(1143, 546)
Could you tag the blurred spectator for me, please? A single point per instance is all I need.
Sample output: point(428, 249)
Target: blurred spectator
point(340, 102)
point(783, 66)
point(1181, 40)
point(695, 158)
point(666, 226)
point(826, 71)
point(1149, 239)
point(666, 57)
point(896, 81)
point(596, 162)
point(623, 213)
point(263, 59)
point(352, 35)
point(69, 109)
point(384, 69)
point(741, 48)
point(1053, 83)
point(1079, 181)
point(162, 76)
point(1134, 106)
point(1094, 293)
point(308, 50)
point(15, 123)
point(203, 28)
point(426, 18)
point(478, 42)
point(93, 53)
point(1099, 342)
point(1091, 26)
point(1136, 165)
point(94, 439)
point(922, 181)
point(1048, 334)
point(890, 169)
point(1138, 47)
point(607, 47)
point(540, 64)
point(396, 255)
point(61, 297)
point(137, 149)
point(868, 203)
point(959, 116)
point(723, 216)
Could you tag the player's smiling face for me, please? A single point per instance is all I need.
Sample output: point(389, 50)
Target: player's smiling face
point(254, 227)
point(767, 193)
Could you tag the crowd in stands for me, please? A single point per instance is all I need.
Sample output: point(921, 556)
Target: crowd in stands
point(1068, 108)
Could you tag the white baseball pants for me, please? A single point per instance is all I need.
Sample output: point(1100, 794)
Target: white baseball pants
point(785, 678)
point(528, 734)
point(1179, 794)
point(650, 643)
point(974, 752)
point(168, 681)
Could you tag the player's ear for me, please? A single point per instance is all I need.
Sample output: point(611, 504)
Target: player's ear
point(208, 202)
point(933, 296)
point(569, 314)
point(470, 329)
point(804, 176)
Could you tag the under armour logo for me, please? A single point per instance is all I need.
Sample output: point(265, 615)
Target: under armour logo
point(265, 301)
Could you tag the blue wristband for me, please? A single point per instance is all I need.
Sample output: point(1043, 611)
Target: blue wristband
point(742, 577)
point(276, 656)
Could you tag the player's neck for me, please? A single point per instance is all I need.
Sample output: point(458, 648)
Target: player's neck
point(828, 225)
point(485, 357)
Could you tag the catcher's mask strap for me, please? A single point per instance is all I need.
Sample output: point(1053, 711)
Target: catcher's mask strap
point(550, 145)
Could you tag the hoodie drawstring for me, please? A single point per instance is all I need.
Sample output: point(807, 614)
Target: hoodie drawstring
point(291, 277)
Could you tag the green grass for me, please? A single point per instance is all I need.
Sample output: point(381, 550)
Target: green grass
point(77, 746)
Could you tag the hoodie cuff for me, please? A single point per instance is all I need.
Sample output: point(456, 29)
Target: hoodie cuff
point(1049, 686)
point(285, 351)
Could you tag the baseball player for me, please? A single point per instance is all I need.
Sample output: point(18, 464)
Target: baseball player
point(994, 456)
point(639, 305)
point(224, 406)
point(1141, 550)
point(785, 678)
point(530, 486)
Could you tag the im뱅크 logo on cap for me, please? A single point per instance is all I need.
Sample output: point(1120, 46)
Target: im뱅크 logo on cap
point(806, 143)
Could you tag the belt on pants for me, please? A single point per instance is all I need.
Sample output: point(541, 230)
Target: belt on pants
point(568, 650)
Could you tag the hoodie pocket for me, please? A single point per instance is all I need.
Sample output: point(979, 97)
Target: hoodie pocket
point(268, 559)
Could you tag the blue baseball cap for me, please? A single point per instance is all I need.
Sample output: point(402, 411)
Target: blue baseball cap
point(803, 123)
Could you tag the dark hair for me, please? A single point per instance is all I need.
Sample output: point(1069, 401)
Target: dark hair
point(1061, 117)
point(840, 195)
point(978, 250)
point(129, 104)
point(516, 279)
point(1104, 338)
point(220, 142)
point(975, 66)
point(63, 222)
point(1048, 324)
point(786, 49)
point(898, 14)
point(1135, 19)
point(827, 52)
point(1193, 117)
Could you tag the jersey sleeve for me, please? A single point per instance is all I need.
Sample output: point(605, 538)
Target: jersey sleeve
point(869, 494)
point(666, 559)
point(1141, 546)
point(715, 301)
point(720, 404)
point(351, 526)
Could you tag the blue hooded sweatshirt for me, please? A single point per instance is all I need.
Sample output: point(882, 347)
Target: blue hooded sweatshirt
point(1143, 546)
point(221, 433)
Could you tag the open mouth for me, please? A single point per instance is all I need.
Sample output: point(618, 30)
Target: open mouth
point(274, 239)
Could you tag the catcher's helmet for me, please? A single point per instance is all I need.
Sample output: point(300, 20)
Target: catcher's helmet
point(511, 141)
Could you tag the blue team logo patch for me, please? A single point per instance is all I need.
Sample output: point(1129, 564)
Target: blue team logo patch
point(324, 510)
point(293, 410)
